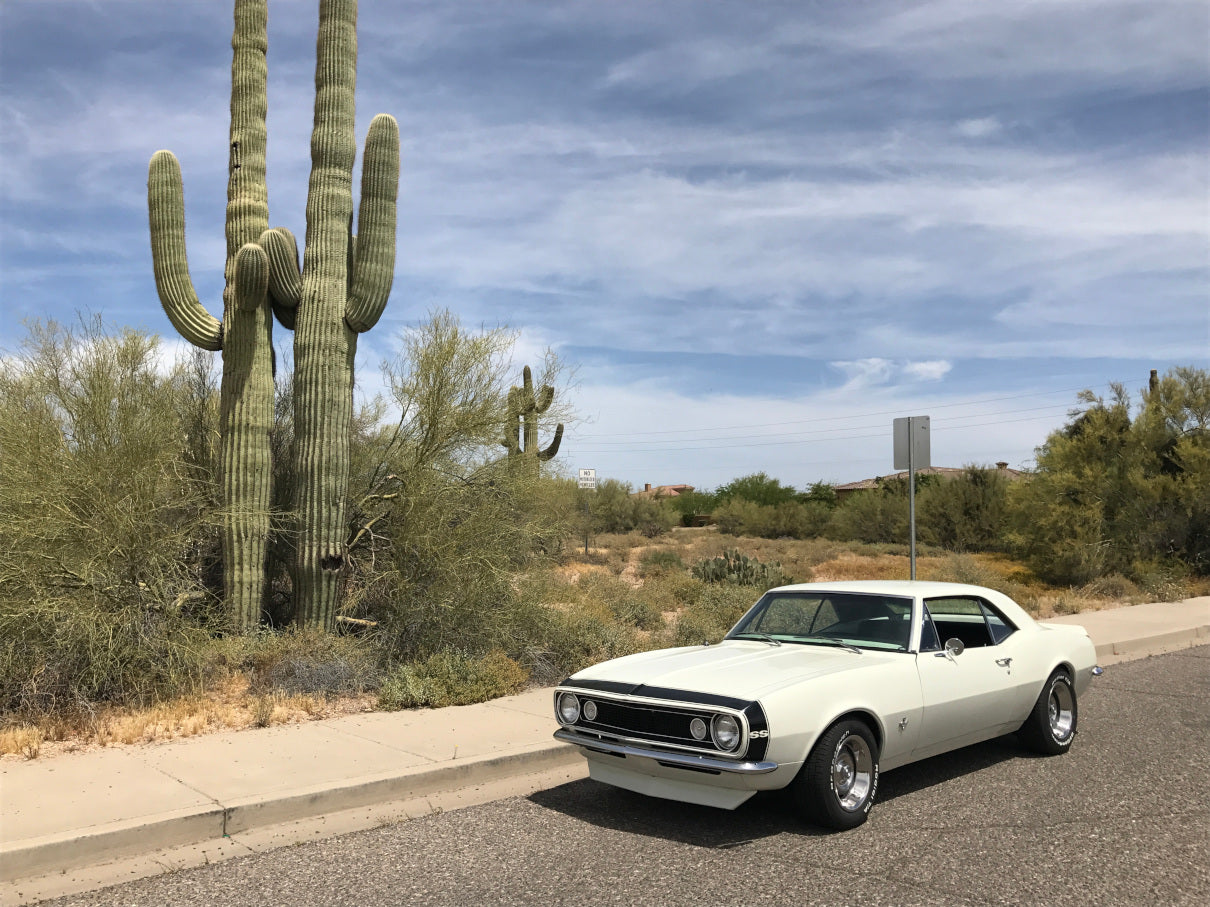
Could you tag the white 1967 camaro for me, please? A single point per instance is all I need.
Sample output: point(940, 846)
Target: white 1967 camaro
point(822, 685)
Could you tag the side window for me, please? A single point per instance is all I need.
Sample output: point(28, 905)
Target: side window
point(961, 618)
point(1000, 628)
point(928, 634)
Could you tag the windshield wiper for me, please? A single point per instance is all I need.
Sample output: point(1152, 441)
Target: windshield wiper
point(765, 637)
point(828, 641)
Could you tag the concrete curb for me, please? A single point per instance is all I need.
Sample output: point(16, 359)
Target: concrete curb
point(1157, 644)
point(74, 850)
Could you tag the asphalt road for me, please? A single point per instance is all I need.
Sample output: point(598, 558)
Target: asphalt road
point(1123, 818)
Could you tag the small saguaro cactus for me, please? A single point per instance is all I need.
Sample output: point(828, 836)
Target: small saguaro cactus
point(244, 336)
point(340, 292)
point(524, 407)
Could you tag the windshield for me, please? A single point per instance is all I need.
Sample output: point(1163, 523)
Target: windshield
point(829, 618)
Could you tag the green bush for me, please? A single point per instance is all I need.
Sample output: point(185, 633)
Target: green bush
point(299, 660)
point(659, 561)
point(451, 678)
point(870, 516)
point(672, 591)
point(1116, 491)
point(965, 512)
point(791, 519)
point(614, 508)
point(106, 531)
point(708, 620)
point(757, 488)
point(557, 643)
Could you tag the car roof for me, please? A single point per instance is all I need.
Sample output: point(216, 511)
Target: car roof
point(921, 589)
point(912, 588)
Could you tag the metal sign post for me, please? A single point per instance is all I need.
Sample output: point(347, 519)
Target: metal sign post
point(588, 482)
point(912, 452)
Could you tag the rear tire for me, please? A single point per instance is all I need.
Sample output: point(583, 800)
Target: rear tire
point(1051, 726)
point(837, 784)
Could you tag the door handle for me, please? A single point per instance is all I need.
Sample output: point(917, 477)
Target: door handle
point(1004, 662)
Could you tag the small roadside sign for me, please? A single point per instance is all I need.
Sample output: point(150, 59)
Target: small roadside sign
point(588, 479)
point(912, 447)
point(912, 452)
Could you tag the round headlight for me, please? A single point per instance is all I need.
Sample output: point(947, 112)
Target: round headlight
point(590, 710)
point(569, 708)
point(724, 730)
point(697, 728)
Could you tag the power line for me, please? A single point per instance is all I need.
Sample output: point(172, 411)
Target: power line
point(869, 415)
point(807, 437)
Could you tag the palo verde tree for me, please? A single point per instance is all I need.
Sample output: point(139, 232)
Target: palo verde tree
point(1122, 491)
point(340, 292)
point(244, 335)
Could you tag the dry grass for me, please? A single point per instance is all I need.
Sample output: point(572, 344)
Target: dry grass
point(230, 706)
point(599, 586)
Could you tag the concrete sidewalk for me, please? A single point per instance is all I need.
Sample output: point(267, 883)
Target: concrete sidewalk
point(64, 821)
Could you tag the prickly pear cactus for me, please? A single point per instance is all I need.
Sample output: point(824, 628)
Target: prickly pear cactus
point(524, 408)
point(340, 292)
point(741, 570)
point(244, 336)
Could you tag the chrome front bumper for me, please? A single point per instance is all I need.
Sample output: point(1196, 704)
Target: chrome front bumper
point(664, 757)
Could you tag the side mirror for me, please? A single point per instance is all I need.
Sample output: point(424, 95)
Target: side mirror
point(954, 647)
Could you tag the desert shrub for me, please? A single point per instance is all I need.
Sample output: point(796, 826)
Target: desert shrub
point(820, 493)
point(758, 488)
point(707, 621)
point(962, 568)
point(652, 517)
point(1119, 492)
point(615, 509)
point(659, 561)
point(555, 643)
point(740, 570)
point(737, 516)
point(621, 601)
point(791, 519)
point(451, 678)
point(298, 661)
point(672, 591)
point(443, 519)
point(871, 516)
point(965, 512)
point(1114, 587)
point(693, 507)
point(103, 543)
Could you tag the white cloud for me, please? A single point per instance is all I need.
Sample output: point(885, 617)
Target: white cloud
point(978, 128)
point(933, 370)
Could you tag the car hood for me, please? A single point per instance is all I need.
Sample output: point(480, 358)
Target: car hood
point(741, 668)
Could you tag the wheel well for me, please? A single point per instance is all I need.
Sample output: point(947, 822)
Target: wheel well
point(865, 718)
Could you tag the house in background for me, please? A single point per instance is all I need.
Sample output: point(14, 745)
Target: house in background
point(945, 472)
point(662, 491)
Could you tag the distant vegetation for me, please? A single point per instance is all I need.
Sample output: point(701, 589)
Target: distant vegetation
point(467, 576)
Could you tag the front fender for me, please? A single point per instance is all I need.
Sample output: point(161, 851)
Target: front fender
point(887, 696)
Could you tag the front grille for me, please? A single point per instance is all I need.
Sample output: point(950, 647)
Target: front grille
point(628, 715)
point(657, 724)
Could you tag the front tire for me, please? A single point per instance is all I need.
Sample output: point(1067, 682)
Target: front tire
point(1051, 726)
point(837, 784)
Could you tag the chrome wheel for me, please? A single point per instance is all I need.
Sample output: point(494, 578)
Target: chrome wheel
point(852, 772)
point(1061, 710)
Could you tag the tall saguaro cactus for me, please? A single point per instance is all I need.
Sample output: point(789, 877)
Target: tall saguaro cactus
point(524, 407)
point(244, 336)
point(340, 292)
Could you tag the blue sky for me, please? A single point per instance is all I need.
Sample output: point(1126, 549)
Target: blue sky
point(760, 231)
